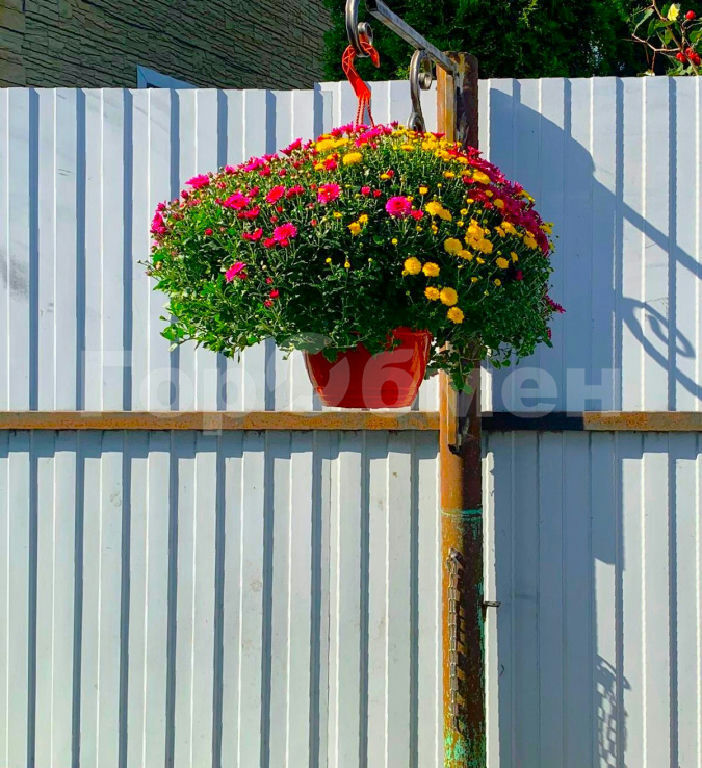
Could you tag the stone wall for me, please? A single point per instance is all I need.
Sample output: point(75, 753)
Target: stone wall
point(217, 43)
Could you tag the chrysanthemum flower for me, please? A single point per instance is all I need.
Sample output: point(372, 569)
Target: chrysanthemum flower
point(352, 158)
point(197, 182)
point(327, 193)
point(413, 265)
point(453, 245)
point(398, 206)
point(455, 315)
point(431, 269)
point(236, 270)
point(432, 292)
point(448, 296)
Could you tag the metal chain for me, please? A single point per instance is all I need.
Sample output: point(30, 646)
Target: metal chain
point(453, 563)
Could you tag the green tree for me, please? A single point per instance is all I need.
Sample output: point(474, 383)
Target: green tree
point(511, 38)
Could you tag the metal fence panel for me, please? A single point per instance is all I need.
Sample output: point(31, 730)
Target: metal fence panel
point(594, 552)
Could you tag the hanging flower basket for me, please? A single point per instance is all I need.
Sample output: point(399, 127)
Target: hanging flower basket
point(358, 379)
point(383, 254)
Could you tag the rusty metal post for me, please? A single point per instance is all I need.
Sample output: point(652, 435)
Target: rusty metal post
point(461, 496)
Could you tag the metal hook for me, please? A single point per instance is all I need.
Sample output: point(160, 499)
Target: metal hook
point(354, 29)
point(421, 76)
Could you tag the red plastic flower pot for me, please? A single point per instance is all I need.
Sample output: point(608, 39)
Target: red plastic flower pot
point(357, 379)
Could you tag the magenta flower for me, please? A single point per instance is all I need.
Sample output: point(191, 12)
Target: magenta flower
point(198, 181)
point(250, 214)
point(398, 206)
point(275, 194)
point(297, 144)
point(157, 225)
point(366, 190)
point(255, 235)
point(284, 232)
point(274, 293)
point(236, 270)
point(237, 201)
point(326, 193)
point(297, 189)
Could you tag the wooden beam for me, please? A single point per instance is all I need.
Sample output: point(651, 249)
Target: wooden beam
point(594, 421)
point(222, 420)
point(461, 496)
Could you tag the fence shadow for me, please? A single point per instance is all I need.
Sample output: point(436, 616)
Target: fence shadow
point(579, 528)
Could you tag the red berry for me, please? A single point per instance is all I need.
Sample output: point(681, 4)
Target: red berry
point(208, 231)
point(690, 15)
point(696, 60)
point(681, 56)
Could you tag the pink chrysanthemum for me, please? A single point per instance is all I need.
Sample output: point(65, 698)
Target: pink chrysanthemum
point(398, 206)
point(202, 180)
point(237, 201)
point(327, 193)
point(236, 270)
point(275, 194)
point(284, 232)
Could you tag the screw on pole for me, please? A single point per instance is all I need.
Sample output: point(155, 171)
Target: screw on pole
point(461, 494)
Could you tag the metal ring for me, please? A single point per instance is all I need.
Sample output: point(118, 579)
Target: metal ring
point(354, 29)
point(421, 77)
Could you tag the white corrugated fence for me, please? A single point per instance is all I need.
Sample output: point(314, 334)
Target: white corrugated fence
point(192, 599)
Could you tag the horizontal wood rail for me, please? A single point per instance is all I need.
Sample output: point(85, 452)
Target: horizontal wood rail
point(594, 421)
point(403, 421)
point(221, 420)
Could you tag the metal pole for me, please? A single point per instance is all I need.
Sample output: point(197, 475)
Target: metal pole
point(461, 496)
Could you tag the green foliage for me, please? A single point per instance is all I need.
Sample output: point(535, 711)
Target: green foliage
point(511, 38)
point(672, 36)
point(341, 241)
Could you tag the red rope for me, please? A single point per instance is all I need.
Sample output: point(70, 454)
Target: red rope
point(361, 89)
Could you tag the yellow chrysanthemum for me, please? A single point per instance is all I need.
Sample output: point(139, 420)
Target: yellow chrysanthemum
point(449, 175)
point(407, 147)
point(394, 241)
point(354, 228)
point(431, 269)
point(514, 256)
point(329, 261)
point(341, 142)
point(455, 315)
point(485, 245)
point(324, 145)
point(474, 279)
point(363, 218)
point(337, 214)
point(508, 228)
point(480, 259)
point(433, 208)
point(423, 190)
point(452, 245)
point(465, 254)
point(501, 262)
point(448, 296)
point(413, 265)
point(352, 158)
point(346, 264)
point(488, 193)
point(480, 177)
point(319, 166)
point(530, 242)
point(432, 292)
point(500, 204)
